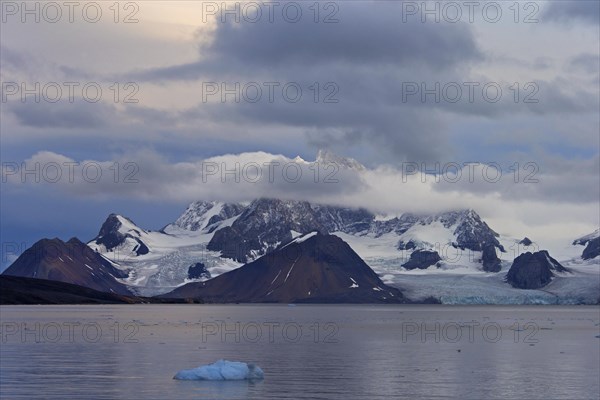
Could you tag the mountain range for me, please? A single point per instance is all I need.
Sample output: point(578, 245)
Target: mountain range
point(223, 236)
point(214, 249)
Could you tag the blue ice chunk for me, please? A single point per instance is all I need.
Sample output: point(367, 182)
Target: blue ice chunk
point(222, 370)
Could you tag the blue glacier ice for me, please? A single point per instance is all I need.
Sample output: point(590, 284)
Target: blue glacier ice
point(222, 370)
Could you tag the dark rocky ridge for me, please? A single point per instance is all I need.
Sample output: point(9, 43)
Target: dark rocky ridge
point(198, 271)
point(191, 219)
point(320, 269)
point(526, 241)
point(71, 262)
point(592, 250)
point(533, 270)
point(266, 223)
point(489, 259)
point(110, 237)
point(422, 259)
point(471, 231)
point(406, 245)
point(398, 225)
point(591, 243)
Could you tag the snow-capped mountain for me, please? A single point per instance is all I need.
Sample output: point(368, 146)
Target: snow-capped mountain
point(266, 223)
point(120, 234)
point(223, 236)
point(202, 214)
point(327, 157)
point(173, 257)
point(453, 254)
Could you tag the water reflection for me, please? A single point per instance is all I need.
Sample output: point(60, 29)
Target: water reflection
point(372, 352)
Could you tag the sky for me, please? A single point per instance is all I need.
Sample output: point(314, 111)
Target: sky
point(140, 109)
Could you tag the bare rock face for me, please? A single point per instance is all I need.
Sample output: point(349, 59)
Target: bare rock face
point(533, 270)
point(489, 259)
point(422, 259)
point(526, 241)
point(406, 245)
point(592, 245)
point(198, 271)
point(267, 223)
point(592, 250)
point(202, 214)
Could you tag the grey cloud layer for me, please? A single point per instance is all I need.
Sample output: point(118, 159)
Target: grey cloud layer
point(583, 10)
point(245, 176)
point(63, 114)
point(369, 54)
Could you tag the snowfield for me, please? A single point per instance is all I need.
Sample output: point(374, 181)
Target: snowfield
point(460, 278)
point(165, 267)
point(581, 286)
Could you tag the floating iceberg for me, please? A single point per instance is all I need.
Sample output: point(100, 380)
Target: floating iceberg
point(222, 370)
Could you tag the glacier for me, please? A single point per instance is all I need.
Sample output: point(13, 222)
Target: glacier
point(222, 370)
point(580, 286)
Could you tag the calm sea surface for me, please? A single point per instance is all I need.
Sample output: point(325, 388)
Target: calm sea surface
point(306, 351)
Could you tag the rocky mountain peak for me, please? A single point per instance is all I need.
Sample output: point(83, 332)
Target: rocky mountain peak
point(583, 240)
point(472, 232)
point(201, 214)
point(328, 157)
point(533, 270)
point(116, 230)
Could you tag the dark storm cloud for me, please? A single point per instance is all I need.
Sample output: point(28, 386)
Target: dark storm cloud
point(397, 133)
point(366, 34)
point(371, 35)
point(583, 10)
point(367, 55)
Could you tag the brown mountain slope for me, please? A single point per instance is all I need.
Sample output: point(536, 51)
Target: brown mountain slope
point(71, 262)
point(313, 268)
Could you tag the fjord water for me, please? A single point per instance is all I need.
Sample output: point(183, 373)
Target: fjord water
point(306, 351)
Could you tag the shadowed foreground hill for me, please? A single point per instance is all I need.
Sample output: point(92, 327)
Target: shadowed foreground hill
point(313, 268)
point(19, 290)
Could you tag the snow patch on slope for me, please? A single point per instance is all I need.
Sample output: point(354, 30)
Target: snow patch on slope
point(301, 239)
